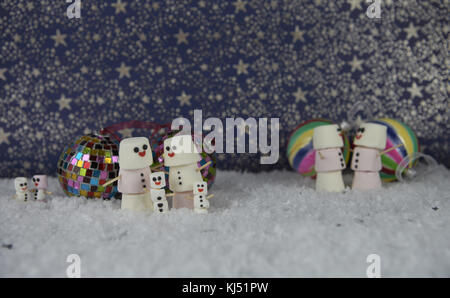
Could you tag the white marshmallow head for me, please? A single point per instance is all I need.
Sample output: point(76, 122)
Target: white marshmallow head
point(327, 136)
point(180, 150)
point(135, 153)
point(40, 181)
point(200, 188)
point(371, 135)
point(157, 180)
point(21, 184)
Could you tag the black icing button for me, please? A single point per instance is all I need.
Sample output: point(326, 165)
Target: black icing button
point(142, 174)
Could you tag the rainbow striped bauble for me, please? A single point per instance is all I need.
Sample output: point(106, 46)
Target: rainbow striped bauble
point(300, 151)
point(397, 133)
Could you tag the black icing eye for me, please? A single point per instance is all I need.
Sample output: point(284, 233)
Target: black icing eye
point(21, 184)
point(34, 180)
point(198, 185)
point(136, 149)
point(25, 184)
point(145, 147)
point(159, 178)
point(154, 179)
point(363, 129)
point(174, 148)
point(339, 129)
point(168, 148)
point(38, 179)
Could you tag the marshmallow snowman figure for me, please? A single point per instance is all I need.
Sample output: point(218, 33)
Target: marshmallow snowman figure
point(158, 193)
point(41, 185)
point(329, 159)
point(22, 192)
point(201, 203)
point(369, 141)
point(135, 159)
point(182, 156)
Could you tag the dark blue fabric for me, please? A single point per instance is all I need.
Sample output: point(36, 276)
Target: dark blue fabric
point(295, 60)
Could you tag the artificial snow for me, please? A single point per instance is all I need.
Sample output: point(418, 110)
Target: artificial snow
point(260, 225)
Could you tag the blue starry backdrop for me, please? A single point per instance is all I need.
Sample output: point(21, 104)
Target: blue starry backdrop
point(156, 60)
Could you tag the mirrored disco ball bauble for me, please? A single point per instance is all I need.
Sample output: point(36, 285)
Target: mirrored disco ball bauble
point(157, 144)
point(86, 164)
point(300, 151)
point(397, 133)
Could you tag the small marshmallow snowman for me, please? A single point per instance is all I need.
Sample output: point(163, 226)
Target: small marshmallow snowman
point(182, 156)
point(369, 142)
point(201, 203)
point(159, 199)
point(22, 192)
point(329, 159)
point(41, 185)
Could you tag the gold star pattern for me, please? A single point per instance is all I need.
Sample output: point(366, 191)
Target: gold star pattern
point(119, 6)
point(181, 37)
point(356, 64)
point(411, 31)
point(184, 99)
point(59, 38)
point(355, 4)
point(241, 67)
point(239, 5)
point(297, 35)
point(64, 102)
point(300, 95)
point(4, 136)
point(415, 90)
point(2, 73)
point(124, 71)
